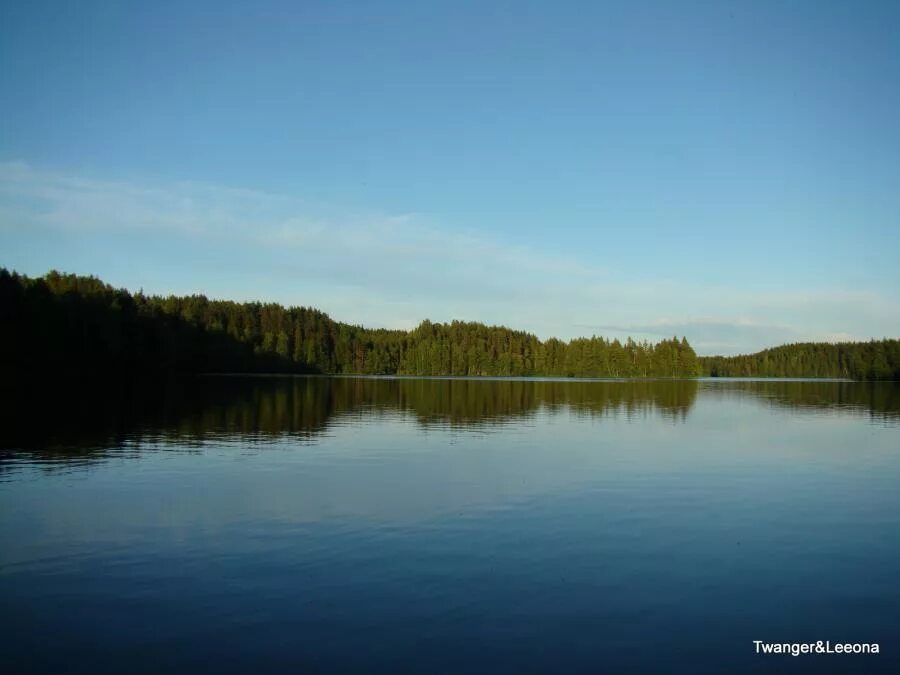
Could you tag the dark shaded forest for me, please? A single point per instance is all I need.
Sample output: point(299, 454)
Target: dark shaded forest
point(64, 323)
point(874, 360)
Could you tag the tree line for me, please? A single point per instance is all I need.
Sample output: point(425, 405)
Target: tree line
point(71, 323)
point(873, 360)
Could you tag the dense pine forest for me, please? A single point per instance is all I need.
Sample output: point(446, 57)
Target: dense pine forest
point(74, 324)
point(875, 360)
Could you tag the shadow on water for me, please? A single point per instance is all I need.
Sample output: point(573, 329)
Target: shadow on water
point(69, 416)
point(68, 419)
point(879, 400)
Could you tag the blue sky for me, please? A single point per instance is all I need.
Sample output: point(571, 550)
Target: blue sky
point(728, 171)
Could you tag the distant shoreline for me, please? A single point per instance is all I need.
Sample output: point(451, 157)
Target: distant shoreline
point(533, 378)
point(65, 322)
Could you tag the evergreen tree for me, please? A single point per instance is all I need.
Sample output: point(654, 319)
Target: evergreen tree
point(68, 323)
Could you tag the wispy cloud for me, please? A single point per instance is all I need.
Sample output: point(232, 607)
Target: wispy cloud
point(35, 198)
point(388, 269)
point(358, 264)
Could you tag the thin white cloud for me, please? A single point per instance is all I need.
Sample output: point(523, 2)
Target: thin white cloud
point(395, 269)
point(36, 198)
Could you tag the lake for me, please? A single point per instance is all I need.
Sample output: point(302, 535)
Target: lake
point(280, 524)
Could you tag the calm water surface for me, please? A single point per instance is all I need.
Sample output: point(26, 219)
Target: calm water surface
point(434, 525)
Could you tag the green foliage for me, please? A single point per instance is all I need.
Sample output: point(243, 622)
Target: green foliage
point(70, 323)
point(874, 360)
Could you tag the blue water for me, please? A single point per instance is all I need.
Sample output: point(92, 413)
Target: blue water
point(451, 526)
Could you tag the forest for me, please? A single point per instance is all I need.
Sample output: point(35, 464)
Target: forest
point(65, 323)
point(873, 360)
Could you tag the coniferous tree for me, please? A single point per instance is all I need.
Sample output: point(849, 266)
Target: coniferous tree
point(69, 323)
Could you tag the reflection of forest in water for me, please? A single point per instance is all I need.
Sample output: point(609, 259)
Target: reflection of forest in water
point(69, 417)
point(878, 400)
